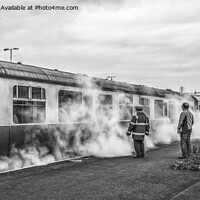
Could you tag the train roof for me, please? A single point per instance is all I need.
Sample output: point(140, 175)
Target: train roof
point(40, 74)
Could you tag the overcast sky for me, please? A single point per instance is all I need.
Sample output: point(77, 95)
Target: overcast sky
point(149, 42)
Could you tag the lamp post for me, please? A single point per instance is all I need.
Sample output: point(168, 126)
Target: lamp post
point(11, 49)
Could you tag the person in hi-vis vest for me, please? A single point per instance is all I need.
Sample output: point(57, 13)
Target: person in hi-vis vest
point(139, 127)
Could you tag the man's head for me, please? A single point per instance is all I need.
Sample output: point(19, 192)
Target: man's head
point(138, 108)
point(185, 106)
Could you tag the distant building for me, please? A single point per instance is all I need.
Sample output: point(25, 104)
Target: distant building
point(189, 96)
point(181, 89)
point(197, 97)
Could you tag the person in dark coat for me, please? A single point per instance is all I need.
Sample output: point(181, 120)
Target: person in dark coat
point(184, 129)
point(139, 127)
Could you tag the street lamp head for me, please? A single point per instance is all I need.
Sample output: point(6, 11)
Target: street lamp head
point(6, 49)
point(11, 49)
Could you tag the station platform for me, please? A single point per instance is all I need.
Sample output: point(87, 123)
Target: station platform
point(91, 178)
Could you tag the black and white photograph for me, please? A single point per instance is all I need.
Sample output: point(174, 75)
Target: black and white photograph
point(100, 99)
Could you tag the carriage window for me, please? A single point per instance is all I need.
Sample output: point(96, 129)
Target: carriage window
point(26, 109)
point(28, 112)
point(125, 106)
point(158, 108)
point(145, 102)
point(104, 99)
point(88, 101)
point(43, 94)
point(165, 109)
point(15, 91)
point(88, 105)
point(126, 99)
point(104, 102)
point(69, 103)
point(23, 92)
point(172, 109)
point(38, 93)
point(125, 112)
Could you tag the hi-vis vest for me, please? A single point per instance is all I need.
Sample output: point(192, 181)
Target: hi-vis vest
point(139, 125)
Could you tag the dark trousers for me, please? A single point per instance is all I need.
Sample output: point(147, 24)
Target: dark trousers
point(139, 148)
point(185, 144)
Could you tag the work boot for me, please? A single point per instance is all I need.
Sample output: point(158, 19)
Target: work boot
point(137, 156)
point(182, 157)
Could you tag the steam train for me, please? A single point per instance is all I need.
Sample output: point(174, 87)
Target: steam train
point(42, 101)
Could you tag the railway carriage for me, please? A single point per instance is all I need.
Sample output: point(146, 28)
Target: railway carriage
point(36, 102)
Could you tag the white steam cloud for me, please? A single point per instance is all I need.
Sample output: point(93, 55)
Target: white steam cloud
point(196, 128)
point(96, 132)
